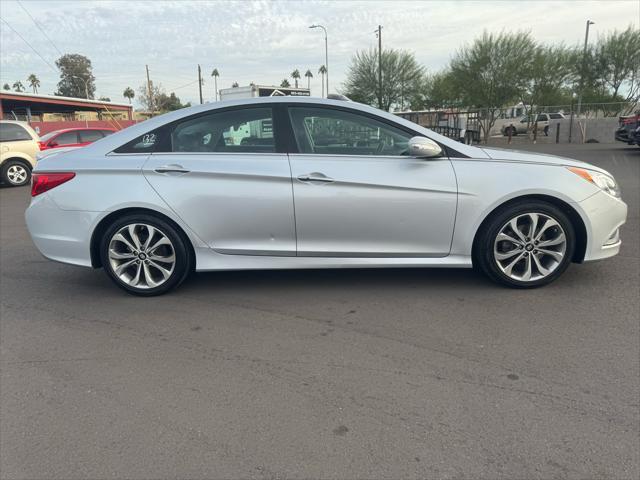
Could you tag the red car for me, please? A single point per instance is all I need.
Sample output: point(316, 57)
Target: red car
point(73, 137)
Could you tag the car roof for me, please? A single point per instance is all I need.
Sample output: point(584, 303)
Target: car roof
point(75, 129)
point(110, 143)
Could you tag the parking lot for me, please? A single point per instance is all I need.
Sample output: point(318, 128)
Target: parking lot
point(322, 374)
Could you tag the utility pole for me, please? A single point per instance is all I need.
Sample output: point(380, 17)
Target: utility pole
point(326, 55)
point(200, 83)
point(584, 61)
point(380, 67)
point(150, 92)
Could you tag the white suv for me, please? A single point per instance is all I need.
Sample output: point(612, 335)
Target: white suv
point(18, 149)
point(527, 123)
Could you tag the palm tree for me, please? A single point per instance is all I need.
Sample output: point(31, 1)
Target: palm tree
point(215, 74)
point(6, 87)
point(309, 76)
point(285, 83)
point(128, 93)
point(18, 86)
point(322, 70)
point(295, 75)
point(34, 83)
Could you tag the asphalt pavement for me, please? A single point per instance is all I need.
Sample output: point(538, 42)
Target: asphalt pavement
point(322, 374)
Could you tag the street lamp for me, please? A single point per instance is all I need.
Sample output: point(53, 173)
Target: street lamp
point(86, 87)
point(326, 53)
point(584, 61)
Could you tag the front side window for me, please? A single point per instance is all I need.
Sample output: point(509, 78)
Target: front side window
point(331, 131)
point(244, 130)
point(11, 132)
point(67, 138)
point(90, 136)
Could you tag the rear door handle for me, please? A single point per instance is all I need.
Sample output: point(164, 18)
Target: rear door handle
point(173, 168)
point(315, 177)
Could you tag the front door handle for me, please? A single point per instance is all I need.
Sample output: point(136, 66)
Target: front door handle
point(315, 177)
point(173, 168)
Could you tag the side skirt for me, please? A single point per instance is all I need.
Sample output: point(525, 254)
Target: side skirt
point(209, 260)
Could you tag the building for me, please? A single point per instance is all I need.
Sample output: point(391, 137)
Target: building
point(252, 90)
point(46, 113)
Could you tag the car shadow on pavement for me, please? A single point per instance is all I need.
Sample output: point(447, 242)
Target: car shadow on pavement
point(288, 280)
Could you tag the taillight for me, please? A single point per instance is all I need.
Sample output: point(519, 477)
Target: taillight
point(42, 145)
point(42, 182)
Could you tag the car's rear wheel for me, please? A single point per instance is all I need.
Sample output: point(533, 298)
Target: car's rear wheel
point(525, 245)
point(15, 173)
point(145, 255)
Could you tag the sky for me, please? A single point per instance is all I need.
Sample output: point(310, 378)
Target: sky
point(263, 41)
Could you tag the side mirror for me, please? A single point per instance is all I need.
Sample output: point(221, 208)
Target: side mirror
point(421, 147)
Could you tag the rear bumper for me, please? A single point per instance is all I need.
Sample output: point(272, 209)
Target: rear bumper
point(60, 235)
point(603, 215)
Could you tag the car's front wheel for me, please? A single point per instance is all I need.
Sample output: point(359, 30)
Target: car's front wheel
point(525, 245)
point(145, 255)
point(15, 173)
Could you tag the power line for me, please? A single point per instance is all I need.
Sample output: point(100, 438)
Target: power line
point(39, 28)
point(182, 86)
point(30, 46)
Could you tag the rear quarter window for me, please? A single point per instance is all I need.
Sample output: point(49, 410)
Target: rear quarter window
point(11, 132)
point(147, 143)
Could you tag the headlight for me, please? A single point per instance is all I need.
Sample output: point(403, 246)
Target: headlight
point(600, 180)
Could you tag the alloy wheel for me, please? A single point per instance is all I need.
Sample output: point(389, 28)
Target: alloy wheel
point(530, 246)
point(17, 174)
point(141, 256)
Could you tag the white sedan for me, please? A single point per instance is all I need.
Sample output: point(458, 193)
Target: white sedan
point(288, 182)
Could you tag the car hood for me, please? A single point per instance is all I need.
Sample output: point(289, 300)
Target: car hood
point(541, 159)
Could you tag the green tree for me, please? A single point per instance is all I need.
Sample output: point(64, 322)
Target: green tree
point(169, 103)
point(18, 86)
point(619, 58)
point(309, 76)
point(296, 76)
point(6, 87)
point(159, 101)
point(215, 74)
point(322, 71)
point(34, 82)
point(285, 83)
point(437, 91)
point(401, 78)
point(235, 85)
point(104, 99)
point(75, 72)
point(548, 76)
point(128, 94)
point(488, 74)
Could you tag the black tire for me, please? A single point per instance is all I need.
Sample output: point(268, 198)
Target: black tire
point(179, 245)
point(12, 170)
point(483, 251)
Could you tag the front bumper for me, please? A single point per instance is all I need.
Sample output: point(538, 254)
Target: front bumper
point(603, 216)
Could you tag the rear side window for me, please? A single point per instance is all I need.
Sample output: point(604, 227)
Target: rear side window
point(246, 130)
point(90, 135)
point(11, 132)
point(67, 138)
